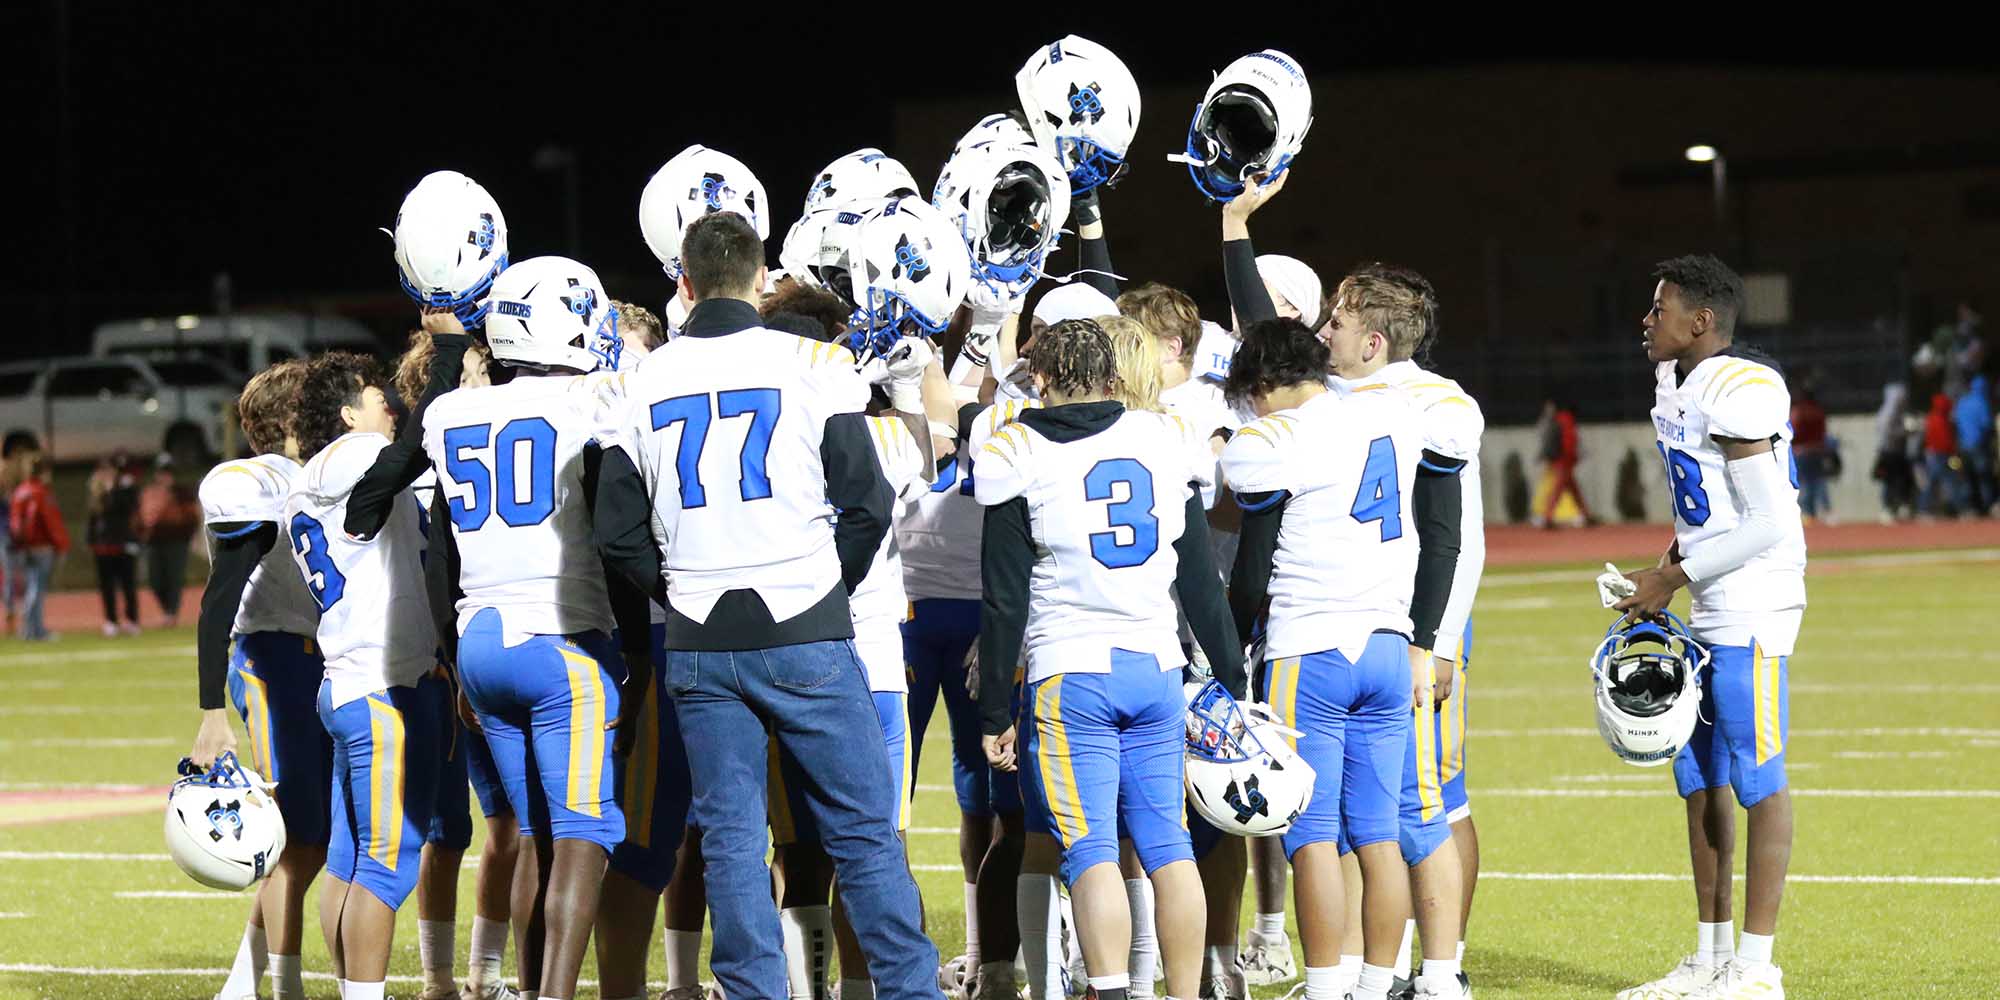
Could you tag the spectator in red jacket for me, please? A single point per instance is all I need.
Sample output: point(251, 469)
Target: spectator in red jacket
point(41, 538)
point(1561, 450)
point(1940, 450)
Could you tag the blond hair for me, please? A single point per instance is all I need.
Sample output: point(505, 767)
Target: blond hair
point(1138, 358)
point(265, 406)
point(1396, 302)
point(637, 324)
point(1167, 313)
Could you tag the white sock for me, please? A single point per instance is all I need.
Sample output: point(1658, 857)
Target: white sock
point(489, 949)
point(996, 979)
point(286, 982)
point(808, 937)
point(248, 970)
point(1754, 949)
point(1403, 950)
point(1323, 983)
point(1440, 975)
point(1144, 958)
point(972, 924)
point(1722, 941)
point(1461, 954)
point(340, 988)
point(1707, 934)
point(1218, 960)
point(1120, 981)
point(1071, 944)
point(1349, 971)
point(435, 952)
point(1374, 983)
point(1041, 934)
point(363, 991)
point(857, 989)
point(1270, 925)
point(683, 959)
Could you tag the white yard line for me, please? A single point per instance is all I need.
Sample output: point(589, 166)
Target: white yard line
point(1792, 878)
point(211, 895)
point(1815, 793)
point(88, 743)
point(78, 856)
point(88, 970)
point(1814, 733)
point(57, 656)
point(1581, 576)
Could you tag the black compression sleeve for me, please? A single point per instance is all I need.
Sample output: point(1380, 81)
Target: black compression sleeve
point(1006, 557)
point(856, 488)
point(441, 578)
point(1247, 294)
point(1438, 504)
point(1097, 267)
point(403, 462)
point(1256, 546)
point(238, 548)
point(1202, 601)
point(628, 599)
point(621, 519)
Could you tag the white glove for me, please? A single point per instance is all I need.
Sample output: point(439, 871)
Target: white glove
point(1612, 586)
point(901, 372)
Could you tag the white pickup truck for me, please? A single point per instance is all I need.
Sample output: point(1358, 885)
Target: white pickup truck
point(86, 408)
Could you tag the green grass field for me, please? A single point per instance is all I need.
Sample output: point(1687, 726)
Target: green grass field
point(1896, 719)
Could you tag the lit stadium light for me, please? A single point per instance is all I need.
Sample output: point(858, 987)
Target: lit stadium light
point(1701, 154)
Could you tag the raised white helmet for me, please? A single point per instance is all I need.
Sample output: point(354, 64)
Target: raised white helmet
point(815, 249)
point(450, 241)
point(552, 312)
point(697, 181)
point(1083, 104)
point(1648, 689)
point(1252, 121)
point(1009, 201)
point(907, 264)
point(223, 826)
point(1242, 773)
point(1002, 127)
point(867, 174)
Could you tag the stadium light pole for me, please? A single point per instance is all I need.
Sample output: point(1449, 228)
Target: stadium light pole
point(1719, 173)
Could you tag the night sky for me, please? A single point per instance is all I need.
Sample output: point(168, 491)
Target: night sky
point(174, 145)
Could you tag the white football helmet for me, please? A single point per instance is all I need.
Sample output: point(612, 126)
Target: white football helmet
point(1648, 685)
point(867, 174)
point(1004, 127)
point(552, 312)
point(223, 825)
point(697, 181)
point(1009, 201)
point(1252, 121)
point(1083, 104)
point(907, 263)
point(1242, 773)
point(450, 241)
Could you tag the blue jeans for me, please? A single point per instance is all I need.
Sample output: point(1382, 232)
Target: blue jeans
point(813, 698)
point(38, 565)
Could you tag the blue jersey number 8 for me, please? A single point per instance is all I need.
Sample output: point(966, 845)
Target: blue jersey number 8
point(1135, 512)
point(1684, 479)
point(323, 578)
point(470, 513)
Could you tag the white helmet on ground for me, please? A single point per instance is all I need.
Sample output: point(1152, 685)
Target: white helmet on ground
point(1648, 689)
point(1252, 121)
point(450, 241)
point(697, 181)
point(867, 174)
point(1009, 201)
point(223, 826)
point(1001, 127)
point(552, 312)
point(1242, 773)
point(907, 264)
point(1083, 105)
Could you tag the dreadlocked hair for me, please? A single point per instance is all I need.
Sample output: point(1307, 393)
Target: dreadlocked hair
point(1075, 358)
point(1138, 355)
point(332, 380)
point(1275, 353)
point(268, 404)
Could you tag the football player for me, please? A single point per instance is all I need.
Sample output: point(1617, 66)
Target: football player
point(255, 647)
point(1103, 649)
point(1721, 413)
point(381, 701)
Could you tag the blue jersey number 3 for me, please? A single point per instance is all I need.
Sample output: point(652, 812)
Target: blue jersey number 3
point(323, 578)
point(1134, 513)
point(762, 406)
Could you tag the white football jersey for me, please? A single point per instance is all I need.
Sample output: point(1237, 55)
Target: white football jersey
point(1213, 351)
point(511, 463)
point(252, 490)
point(880, 604)
point(375, 628)
point(1104, 512)
point(940, 533)
point(1734, 398)
point(1200, 402)
point(1346, 562)
point(1453, 426)
point(726, 431)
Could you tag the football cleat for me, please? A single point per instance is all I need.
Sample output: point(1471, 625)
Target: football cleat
point(495, 990)
point(1265, 960)
point(1687, 977)
point(958, 978)
point(684, 993)
point(1737, 980)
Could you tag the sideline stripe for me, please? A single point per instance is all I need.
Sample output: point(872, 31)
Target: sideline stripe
point(72, 657)
point(1580, 574)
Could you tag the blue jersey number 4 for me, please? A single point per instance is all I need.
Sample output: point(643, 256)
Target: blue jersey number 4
point(1380, 496)
point(696, 412)
point(1134, 513)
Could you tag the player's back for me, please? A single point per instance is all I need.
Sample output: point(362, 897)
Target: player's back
point(251, 491)
point(1346, 559)
point(514, 463)
point(1733, 397)
point(727, 432)
point(375, 627)
point(1104, 511)
point(939, 533)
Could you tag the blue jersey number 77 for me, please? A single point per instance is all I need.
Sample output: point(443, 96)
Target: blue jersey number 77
point(696, 412)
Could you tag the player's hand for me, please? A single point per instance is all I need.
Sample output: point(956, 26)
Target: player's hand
point(1423, 677)
point(1447, 673)
point(631, 702)
point(1255, 194)
point(1000, 750)
point(972, 672)
point(444, 322)
point(213, 739)
point(1655, 591)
